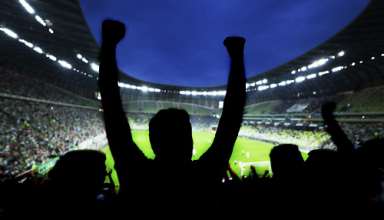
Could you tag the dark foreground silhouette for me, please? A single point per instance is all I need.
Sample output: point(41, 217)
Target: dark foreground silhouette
point(172, 181)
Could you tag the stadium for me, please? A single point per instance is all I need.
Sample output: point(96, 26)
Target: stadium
point(44, 46)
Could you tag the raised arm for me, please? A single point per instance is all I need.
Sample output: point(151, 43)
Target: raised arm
point(220, 151)
point(124, 151)
point(339, 138)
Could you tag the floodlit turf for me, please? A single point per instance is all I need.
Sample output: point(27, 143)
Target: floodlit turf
point(245, 153)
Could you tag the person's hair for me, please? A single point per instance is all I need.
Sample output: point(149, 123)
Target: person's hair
point(170, 133)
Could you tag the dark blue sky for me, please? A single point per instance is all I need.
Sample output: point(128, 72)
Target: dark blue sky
point(180, 41)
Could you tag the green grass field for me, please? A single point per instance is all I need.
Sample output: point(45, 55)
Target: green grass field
point(245, 153)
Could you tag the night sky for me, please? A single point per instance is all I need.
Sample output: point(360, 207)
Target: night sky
point(180, 41)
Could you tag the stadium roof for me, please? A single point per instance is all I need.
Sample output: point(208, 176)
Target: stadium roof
point(362, 38)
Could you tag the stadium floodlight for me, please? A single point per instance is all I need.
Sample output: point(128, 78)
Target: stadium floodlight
point(79, 56)
point(337, 69)
point(300, 79)
point(51, 31)
point(283, 83)
point(40, 20)
point(293, 72)
point(353, 64)
point(382, 54)
point(304, 68)
point(373, 58)
point(27, 7)
point(273, 85)
point(53, 58)
point(262, 88)
point(314, 92)
point(38, 50)
point(65, 64)
point(122, 85)
point(332, 57)
point(95, 67)
point(265, 81)
point(9, 32)
point(361, 62)
point(318, 63)
point(26, 43)
point(194, 93)
point(341, 53)
point(84, 60)
point(290, 82)
point(312, 76)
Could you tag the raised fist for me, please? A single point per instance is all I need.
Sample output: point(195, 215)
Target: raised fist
point(113, 31)
point(327, 110)
point(234, 45)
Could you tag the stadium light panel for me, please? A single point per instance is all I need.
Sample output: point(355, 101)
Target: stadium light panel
point(84, 60)
point(300, 79)
point(51, 31)
point(95, 67)
point(27, 7)
point(283, 83)
point(53, 58)
point(26, 43)
point(265, 81)
point(304, 68)
point(312, 76)
point(337, 69)
point(318, 63)
point(353, 64)
point(361, 62)
point(40, 20)
point(79, 56)
point(373, 58)
point(9, 32)
point(273, 85)
point(382, 54)
point(262, 88)
point(341, 53)
point(65, 64)
point(38, 50)
point(293, 72)
point(332, 57)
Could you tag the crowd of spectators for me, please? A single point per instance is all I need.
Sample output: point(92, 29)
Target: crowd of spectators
point(32, 132)
point(21, 84)
point(309, 139)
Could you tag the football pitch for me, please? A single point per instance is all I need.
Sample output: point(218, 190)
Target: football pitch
point(246, 152)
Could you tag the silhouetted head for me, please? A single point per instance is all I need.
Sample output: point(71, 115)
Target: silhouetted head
point(170, 133)
point(286, 161)
point(322, 163)
point(371, 153)
point(79, 171)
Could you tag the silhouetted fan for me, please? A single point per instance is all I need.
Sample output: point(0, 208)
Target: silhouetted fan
point(172, 177)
